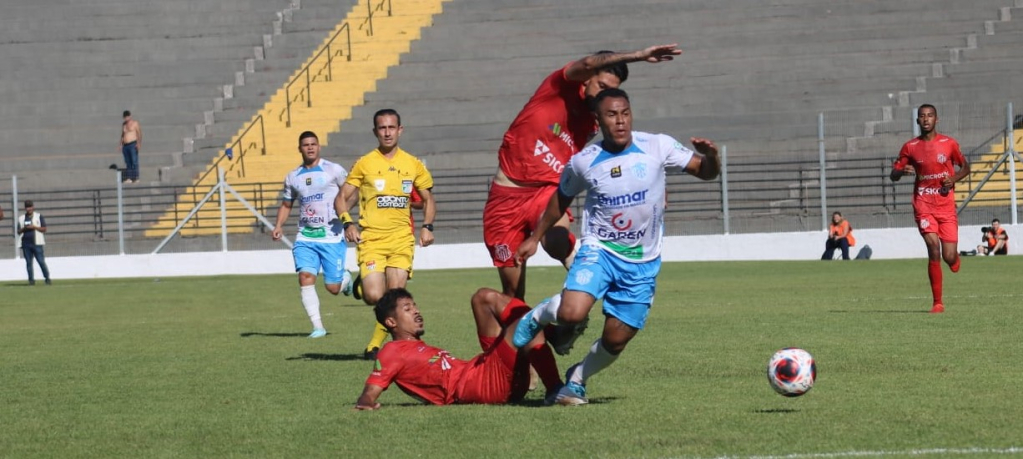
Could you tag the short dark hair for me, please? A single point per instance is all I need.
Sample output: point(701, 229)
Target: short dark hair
point(609, 92)
point(927, 106)
point(29, 203)
point(836, 213)
point(388, 303)
point(995, 220)
point(126, 113)
point(620, 70)
point(306, 135)
point(385, 111)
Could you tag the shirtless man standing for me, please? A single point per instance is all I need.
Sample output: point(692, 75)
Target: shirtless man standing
point(131, 141)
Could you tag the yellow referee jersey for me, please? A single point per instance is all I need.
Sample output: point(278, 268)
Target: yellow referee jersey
point(385, 188)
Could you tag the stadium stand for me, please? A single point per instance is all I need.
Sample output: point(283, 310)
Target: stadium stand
point(754, 78)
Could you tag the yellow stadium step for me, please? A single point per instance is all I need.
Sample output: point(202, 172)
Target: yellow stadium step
point(997, 190)
point(332, 101)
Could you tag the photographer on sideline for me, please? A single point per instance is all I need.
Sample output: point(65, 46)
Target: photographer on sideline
point(995, 240)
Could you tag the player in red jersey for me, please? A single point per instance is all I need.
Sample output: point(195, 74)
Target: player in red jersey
point(430, 374)
point(933, 157)
point(554, 125)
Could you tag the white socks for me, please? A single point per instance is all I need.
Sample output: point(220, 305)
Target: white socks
point(311, 302)
point(547, 311)
point(597, 360)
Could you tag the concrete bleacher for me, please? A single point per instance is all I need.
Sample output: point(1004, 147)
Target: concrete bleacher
point(70, 69)
point(752, 77)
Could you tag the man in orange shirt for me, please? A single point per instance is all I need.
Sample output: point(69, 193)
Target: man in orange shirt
point(996, 240)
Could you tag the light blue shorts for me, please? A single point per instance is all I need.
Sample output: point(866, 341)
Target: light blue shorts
point(627, 288)
point(311, 256)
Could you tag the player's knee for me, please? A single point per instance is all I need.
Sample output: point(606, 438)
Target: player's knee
point(334, 289)
point(483, 298)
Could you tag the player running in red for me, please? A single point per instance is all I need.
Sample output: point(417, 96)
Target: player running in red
point(499, 375)
point(933, 158)
point(555, 124)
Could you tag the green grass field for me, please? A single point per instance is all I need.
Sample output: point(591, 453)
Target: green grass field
point(220, 367)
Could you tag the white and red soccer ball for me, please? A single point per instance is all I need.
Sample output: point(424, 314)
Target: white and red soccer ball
point(791, 372)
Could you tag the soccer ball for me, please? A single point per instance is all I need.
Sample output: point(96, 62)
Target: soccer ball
point(791, 372)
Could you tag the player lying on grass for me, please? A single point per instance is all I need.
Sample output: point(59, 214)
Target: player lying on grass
point(498, 375)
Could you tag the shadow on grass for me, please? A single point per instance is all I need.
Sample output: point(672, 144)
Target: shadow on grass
point(273, 335)
point(538, 403)
point(880, 311)
point(329, 357)
point(776, 411)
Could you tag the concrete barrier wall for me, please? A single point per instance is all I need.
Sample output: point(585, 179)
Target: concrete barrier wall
point(885, 243)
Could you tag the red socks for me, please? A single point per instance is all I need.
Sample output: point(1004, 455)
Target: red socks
point(934, 273)
point(542, 359)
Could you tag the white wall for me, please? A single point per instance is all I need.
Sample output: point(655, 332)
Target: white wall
point(886, 243)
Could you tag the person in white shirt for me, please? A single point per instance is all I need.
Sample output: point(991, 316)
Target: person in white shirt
point(320, 241)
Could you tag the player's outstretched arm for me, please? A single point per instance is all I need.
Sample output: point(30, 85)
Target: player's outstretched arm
point(368, 400)
point(583, 69)
point(707, 164)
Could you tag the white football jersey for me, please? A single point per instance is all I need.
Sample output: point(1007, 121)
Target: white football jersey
point(315, 189)
point(624, 209)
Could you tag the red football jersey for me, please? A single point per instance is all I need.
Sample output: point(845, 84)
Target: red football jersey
point(554, 125)
point(933, 161)
point(424, 372)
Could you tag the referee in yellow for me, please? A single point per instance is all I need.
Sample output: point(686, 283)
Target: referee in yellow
point(384, 179)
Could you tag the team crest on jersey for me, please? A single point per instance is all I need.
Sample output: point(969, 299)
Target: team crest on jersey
point(501, 252)
point(941, 158)
point(379, 184)
point(308, 181)
point(616, 171)
point(406, 186)
point(925, 223)
point(639, 170)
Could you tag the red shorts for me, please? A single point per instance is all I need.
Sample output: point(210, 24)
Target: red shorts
point(497, 375)
point(510, 216)
point(945, 224)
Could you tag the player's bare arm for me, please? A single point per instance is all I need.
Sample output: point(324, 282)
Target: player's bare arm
point(429, 213)
point(706, 164)
point(583, 69)
point(342, 203)
point(282, 216)
point(556, 208)
point(959, 175)
point(368, 400)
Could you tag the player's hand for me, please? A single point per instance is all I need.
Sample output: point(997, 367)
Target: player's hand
point(704, 146)
point(948, 183)
point(661, 53)
point(425, 237)
point(276, 234)
point(908, 170)
point(526, 249)
point(352, 234)
point(374, 406)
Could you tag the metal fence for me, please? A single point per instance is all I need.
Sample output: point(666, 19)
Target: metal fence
point(758, 192)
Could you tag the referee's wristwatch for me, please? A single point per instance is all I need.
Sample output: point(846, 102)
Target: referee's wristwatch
point(428, 226)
